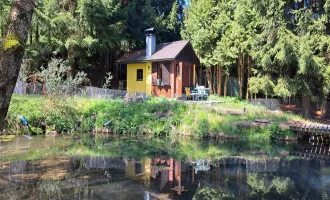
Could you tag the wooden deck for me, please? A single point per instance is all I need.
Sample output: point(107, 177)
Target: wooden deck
point(311, 132)
point(310, 128)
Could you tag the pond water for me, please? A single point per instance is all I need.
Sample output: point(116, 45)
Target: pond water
point(105, 167)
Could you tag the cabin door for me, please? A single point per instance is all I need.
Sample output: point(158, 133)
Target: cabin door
point(178, 68)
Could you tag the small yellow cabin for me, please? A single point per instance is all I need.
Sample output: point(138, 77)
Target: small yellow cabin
point(161, 70)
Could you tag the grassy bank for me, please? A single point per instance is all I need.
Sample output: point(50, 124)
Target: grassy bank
point(156, 116)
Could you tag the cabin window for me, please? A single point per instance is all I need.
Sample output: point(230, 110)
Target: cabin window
point(166, 73)
point(159, 71)
point(154, 73)
point(178, 71)
point(139, 75)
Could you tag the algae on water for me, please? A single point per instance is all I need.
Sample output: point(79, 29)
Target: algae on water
point(6, 138)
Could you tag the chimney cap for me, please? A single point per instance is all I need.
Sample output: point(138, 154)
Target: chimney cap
point(150, 31)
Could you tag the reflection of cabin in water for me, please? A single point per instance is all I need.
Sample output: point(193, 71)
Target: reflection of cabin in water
point(165, 174)
point(161, 70)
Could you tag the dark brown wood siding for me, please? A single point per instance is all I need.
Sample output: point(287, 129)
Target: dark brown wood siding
point(163, 71)
point(187, 75)
point(188, 55)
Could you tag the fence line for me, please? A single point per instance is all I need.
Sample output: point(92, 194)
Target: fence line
point(97, 93)
point(84, 91)
point(270, 103)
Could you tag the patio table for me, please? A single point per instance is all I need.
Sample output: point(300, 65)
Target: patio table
point(200, 93)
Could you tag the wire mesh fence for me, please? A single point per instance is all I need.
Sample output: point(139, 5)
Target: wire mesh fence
point(84, 91)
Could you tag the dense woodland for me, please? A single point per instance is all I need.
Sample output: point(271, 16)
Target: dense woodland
point(274, 47)
point(92, 34)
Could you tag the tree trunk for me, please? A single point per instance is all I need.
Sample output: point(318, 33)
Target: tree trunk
point(209, 78)
point(324, 106)
point(305, 106)
point(239, 69)
point(242, 77)
point(72, 62)
point(225, 86)
point(220, 72)
point(12, 50)
point(248, 76)
point(37, 32)
point(31, 35)
point(214, 82)
point(240, 74)
point(200, 81)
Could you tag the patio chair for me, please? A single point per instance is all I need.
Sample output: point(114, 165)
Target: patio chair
point(189, 95)
point(202, 93)
point(206, 94)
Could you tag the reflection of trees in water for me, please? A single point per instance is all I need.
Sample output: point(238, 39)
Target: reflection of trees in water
point(17, 167)
point(13, 191)
point(268, 178)
point(237, 176)
point(265, 186)
point(102, 162)
point(212, 193)
point(51, 189)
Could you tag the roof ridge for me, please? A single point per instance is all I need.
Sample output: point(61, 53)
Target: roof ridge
point(164, 51)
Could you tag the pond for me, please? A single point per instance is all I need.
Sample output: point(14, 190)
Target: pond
point(107, 167)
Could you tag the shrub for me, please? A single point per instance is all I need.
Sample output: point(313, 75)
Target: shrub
point(56, 80)
point(203, 127)
point(160, 127)
point(276, 132)
point(61, 113)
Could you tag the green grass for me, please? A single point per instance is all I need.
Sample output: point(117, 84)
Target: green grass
point(157, 116)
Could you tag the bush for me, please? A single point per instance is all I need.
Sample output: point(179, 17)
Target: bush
point(276, 133)
point(203, 127)
point(56, 80)
point(62, 113)
point(160, 127)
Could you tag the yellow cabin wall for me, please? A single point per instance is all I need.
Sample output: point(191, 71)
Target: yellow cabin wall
point(148, 77)
point(133, 85)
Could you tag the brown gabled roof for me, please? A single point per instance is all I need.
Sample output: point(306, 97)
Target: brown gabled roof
point(164, 51)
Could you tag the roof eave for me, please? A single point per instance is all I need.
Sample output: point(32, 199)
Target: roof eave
point(144, 61)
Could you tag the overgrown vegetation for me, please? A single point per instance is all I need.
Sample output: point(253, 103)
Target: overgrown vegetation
point(156, 116)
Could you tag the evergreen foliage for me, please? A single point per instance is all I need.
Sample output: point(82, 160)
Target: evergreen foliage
point(83, 31)
point(274, 47)
point(278, 48)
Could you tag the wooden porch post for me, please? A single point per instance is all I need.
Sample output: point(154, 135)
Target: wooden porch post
point(172, 79)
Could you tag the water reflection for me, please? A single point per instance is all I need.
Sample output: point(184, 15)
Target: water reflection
point(252, 174)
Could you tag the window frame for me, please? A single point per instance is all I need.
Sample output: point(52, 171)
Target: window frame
point(137, 74)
